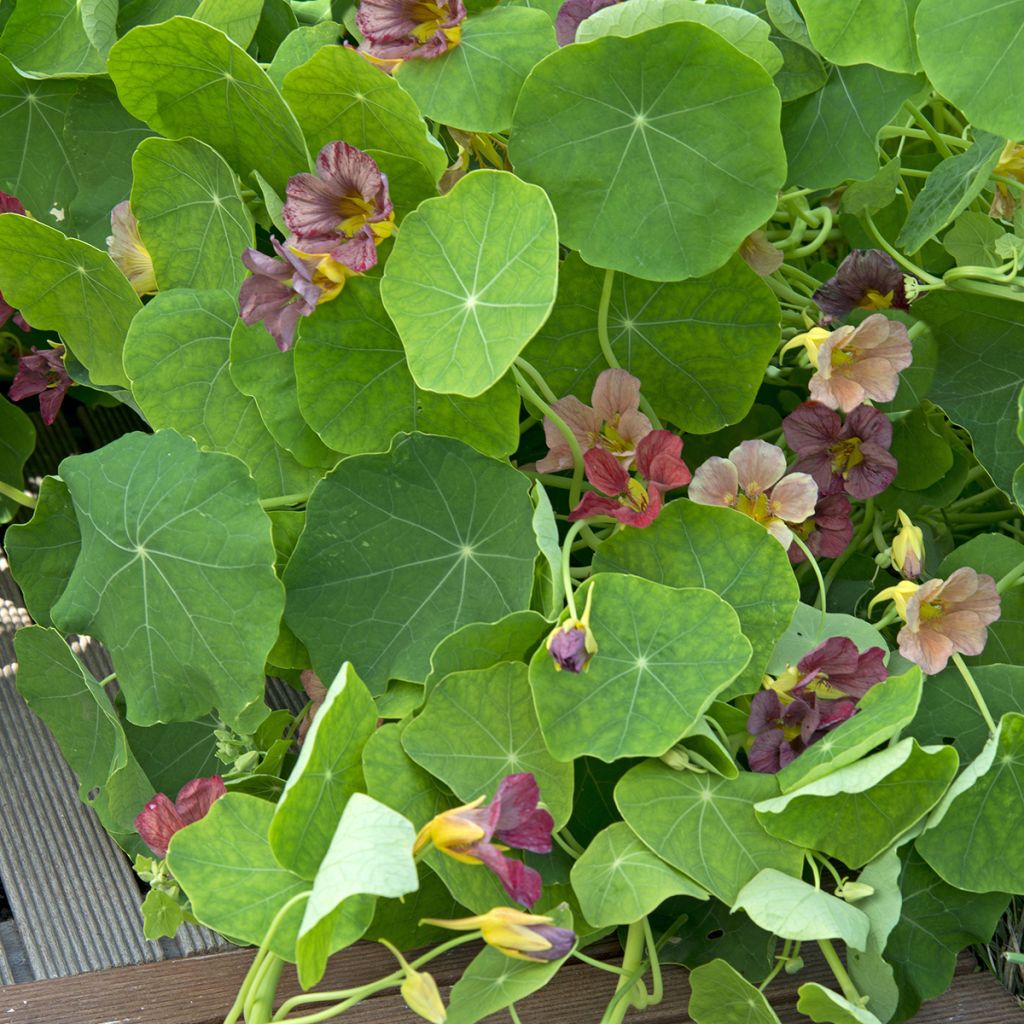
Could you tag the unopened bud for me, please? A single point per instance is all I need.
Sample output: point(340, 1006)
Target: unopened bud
point(419, 990)
point(677, 759)
point(794, 965)
point(853, 891)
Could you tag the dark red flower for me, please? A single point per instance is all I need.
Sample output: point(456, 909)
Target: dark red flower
point(42, 373)
point(837, 665)
point(866, 279)
point(572, 14)
point(828, 532)
point(784, 726)
point(160, 819)
point(11, 204)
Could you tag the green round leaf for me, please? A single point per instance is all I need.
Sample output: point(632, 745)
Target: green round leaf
point(472, 277)
point(235, 18)
point(355, 390)
point(17, 439)
point(436, 535)
point(175, 576)
point(474, 86)
point(972, 51)
point(659, 150)
point(827, 1007)
point(663, 656)
point(879, 32)
point(60, 37)
point(720, 995)
point(480, 726)
point(299, 46)
point(699, 347)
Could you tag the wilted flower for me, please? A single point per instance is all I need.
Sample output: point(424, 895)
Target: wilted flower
point(908, 548)
point(512, 818)
point(515, 933)
point(629, 501)
point(760, 255)
point(614, 423)
point(857, 363)
point(572, 14)
point(160, 819)
point(129, 252)
point(851, 456)
point(948, 615)
point(866, 279)
point(571, 643)
point(828, 532)
point(751, 481)
point(317, 694)
point(11, 204)
point(410, 29)
point(1009, 165)
point(42, 373)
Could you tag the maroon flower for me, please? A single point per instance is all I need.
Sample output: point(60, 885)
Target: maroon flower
point(42, 373)
point(11, 204)
point(851, 456)
point(410, 29)
point(827, 532)
point(629, 501)
point(160, 819)
point(784, 729)
point(573, 13)
point(866, 279)
point(836, 668)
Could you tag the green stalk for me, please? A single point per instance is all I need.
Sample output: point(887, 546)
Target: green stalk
point(820, 238)
point(822, 589)
point(780, 961)
point(570, 598)
point(975, 692)
point(15, 494)
point(913, 268)
point(583, 958)
point(845, 982)
point(1010, 579)
point(283, 501)
point(261, 1003)
point(929, 129)
point(858, 538)
point(632, 969)
point(657, 987)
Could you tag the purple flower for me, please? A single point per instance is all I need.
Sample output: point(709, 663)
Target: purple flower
point(828, 531)
point(866, 279)
point(11, 204)
point(344, 209)
point(571, 643)
point(836, 669)
point(573, 13)
point(410, 29)
point(851, 456)
point(160, 819)
point(516, 934)
point(42, 373)
point(784, 729)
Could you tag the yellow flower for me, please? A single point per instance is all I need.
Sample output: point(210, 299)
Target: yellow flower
point(908, 548)
point(516, 933)
point(811, 341)
point(419, 990)
point(899, 595)
point(454, 831)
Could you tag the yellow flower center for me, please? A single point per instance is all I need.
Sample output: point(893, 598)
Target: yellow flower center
point(757, 508)
point(330, 276)
point(930, 610)
point(846, 455)
point(1011, 162)
point(636, 497)
point(612, 441)
point(843, 357)
point(876, 300)
point(429, 18)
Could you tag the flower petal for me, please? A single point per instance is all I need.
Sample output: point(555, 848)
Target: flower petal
point(616, 392)
point(793, 498)
point(758, 466)
point(714, 483)
point(605, 472)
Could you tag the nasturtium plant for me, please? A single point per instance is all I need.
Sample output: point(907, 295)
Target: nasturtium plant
point(605, 417)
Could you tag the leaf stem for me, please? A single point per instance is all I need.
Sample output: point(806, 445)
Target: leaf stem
point(822, 589)
point(862, 531)
point(657, 987)
point(513, 1014)
point(632, 969)
point(780, 961)
point(975, 692)
point(913, 268)
point(1010, 579)
point(15, 494)
point(839, 971)
point(820, 238)
point(283, 501)
point(611, 968)
point(929, 129)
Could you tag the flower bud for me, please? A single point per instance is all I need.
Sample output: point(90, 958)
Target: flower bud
point(853, 891)
point(571, 644)
point(128, 251)
point(908, 548)
point(677, 759)
point(419, 990)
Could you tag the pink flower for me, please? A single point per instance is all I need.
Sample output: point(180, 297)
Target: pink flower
point(11, 204)
point(851, 456)
point(828, 532)
point(615, 422)
point(948, 615)
point(160, 819)
point(751, 481)
point(42, 373)
point(629, 501)
point(129, 252)
point(410, 29)
point(857, 363)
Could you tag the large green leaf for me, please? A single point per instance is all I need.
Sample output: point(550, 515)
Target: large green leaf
point(235, 18)
point(148, 12)
point(879, 32)
point(978, 373)
point(327, 772)
point(858, 811)
point(299, 46)
point(827, 1007)
point(705, 825)
point(658, 150)
point(355, 390)
point(831, 134)
point(175, 576)
point(185, 78)
point(42, 551)
point(971, 240)
point(699, 347)
point(17, 439)
point(618, 880)
point(480, 726)
point(65, 285)
point(474, 86)
point(191, 215)
point(663, 656)
point(174, 753)
point(720, 995)
point(969, 845)
point(177, 356)
point(691, 545)
point(436, 536)
point(48, 38)
point(949, 190)
point(972, 51)
point(337, 94)
point(472, 277)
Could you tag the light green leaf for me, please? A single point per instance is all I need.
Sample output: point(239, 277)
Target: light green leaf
point(879, 32)
point(337, 94)
point(658, 150)
point(161, 915)
point(858, 811)
point(185, 78)
point(60, 38)
point(746, 31)
point(174, 753)
point(191, 215)
point(806, 632)
point(699, 347)
point(65, 285)
point(480, 726)
point(720, 995)
point(882, 712)
point(42, 551)
point(148, 12)
point(827, 1007)
point(831, 134)
point(235, 18)
point(949, 190)
point(691, 545)
point(175, 576)
point(663, 656)
point(17, 439)
point(873, 194)
point(327, 772)
point(474, 86)
point(436, 536)
point(355, 390)
point(549, 588)
point(472, 277)
point(792, 909)
point(618, 880)
point(786, 18)
point(972, 51)
point(266, 374)
point(705, 825)
point(298, 47)
point(971, 240)
point(802, 71)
